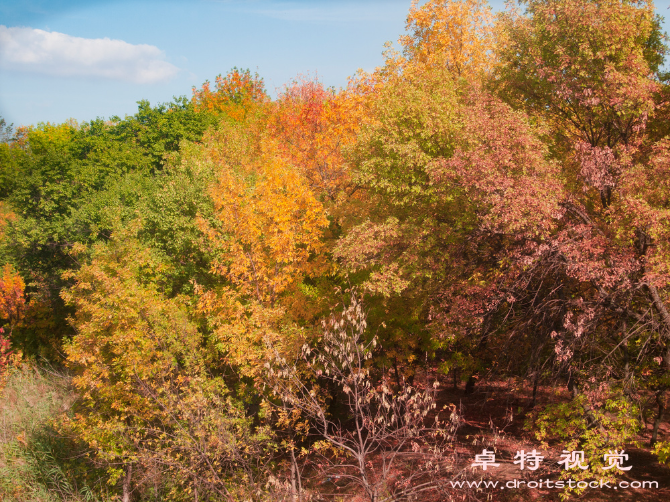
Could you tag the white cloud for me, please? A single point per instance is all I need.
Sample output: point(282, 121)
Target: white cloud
point(53, 53)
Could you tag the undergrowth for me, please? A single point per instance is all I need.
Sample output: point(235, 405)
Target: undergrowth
point(37, 462)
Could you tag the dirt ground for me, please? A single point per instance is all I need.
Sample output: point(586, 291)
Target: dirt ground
point(493, 417)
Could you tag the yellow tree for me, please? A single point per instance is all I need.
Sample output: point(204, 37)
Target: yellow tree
point(455, 33)
point(270, 225)
point(129, 346)
point(153, 400)
point(268, 233)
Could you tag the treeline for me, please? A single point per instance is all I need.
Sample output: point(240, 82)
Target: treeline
point(248, 295)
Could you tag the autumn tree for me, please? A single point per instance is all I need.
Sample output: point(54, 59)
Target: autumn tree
point(599, 91)
point(12, 309)
point(456, 34)
point(266, 231)
point(589, 67)
point(12, 299)
point(234, 95)
point(313, 127)
point(273, 222)
point(590, 70)
point(154, 403)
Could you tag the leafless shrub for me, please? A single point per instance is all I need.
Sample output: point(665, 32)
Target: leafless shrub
point(384, 447)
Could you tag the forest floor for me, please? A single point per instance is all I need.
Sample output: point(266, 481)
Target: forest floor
point(494, 417)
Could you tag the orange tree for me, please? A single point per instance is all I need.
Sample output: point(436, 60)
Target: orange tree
point(267, 232)
point(12, 308)
point(313, 127)
point(12, 299)
point(233, 95)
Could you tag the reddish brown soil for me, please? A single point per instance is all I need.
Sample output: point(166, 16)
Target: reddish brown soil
point(494, 417)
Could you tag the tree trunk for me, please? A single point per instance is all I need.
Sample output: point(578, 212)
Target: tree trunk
point(126, 483)
point(296, 485)
point(536, 381)
point(397, 372)
point(470, 385)
point(660, 401)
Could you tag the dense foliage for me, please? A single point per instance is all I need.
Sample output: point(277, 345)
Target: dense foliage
point(248, 294)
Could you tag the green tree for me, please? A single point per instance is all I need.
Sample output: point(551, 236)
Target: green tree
point(67, 184)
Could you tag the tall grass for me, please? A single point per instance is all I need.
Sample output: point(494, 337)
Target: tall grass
point(37, 462)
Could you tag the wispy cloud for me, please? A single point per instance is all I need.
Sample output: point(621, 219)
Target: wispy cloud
point(324, 12)
point(53, 53)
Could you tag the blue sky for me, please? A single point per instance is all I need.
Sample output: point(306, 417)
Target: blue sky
point(55, 62)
